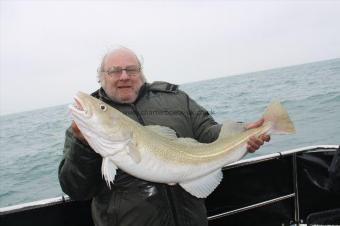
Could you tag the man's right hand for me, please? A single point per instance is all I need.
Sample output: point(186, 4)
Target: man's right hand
point(77, 133)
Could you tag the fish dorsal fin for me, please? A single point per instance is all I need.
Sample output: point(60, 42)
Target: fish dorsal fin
point(163, 131)
point(203, 186)
point(230, 128)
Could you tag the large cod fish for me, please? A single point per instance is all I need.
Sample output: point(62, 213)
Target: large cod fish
point(154, 153)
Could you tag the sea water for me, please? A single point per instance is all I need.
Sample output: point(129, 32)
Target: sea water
point(31, 143)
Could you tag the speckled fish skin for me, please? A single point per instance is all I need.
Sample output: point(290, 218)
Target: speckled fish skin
point(154, 153)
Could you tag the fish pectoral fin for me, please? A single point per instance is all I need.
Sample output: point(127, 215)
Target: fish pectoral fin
point(203, 186)
point(163, 131)
point(109, 170)
point(134, 153)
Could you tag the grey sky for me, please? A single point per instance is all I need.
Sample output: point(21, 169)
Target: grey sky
point(51, 49)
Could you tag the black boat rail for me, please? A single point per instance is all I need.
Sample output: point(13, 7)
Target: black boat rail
point(292, 196)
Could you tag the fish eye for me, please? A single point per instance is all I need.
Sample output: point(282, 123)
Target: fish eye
point(103, 107)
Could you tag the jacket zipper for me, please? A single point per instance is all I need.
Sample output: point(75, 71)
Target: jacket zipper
point(139, 117)
point(167, 189)
point(172, 204)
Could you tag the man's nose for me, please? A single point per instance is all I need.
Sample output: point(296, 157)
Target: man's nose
point(124, 75)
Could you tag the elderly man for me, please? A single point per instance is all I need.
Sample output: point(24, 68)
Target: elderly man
point(132, 201)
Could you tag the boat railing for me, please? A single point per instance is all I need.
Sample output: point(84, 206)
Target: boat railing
point(294, 195)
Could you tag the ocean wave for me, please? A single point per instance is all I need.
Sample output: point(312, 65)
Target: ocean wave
point(335, 99)
point(6, 194)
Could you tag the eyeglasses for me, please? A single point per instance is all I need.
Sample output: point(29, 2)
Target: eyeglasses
point(117, 71)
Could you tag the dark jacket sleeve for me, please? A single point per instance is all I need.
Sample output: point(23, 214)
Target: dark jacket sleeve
point(205, 128)
point(79, 170)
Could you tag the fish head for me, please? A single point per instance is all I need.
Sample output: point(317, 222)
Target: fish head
point(101, 125)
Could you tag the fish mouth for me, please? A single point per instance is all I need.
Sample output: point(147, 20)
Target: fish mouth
point(78, 107)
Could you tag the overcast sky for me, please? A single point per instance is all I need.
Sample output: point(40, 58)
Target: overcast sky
point(51, 49)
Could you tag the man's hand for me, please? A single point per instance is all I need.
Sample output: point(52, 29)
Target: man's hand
point(255, 143)
point(77, 133)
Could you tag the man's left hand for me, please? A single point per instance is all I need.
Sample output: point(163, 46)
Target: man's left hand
point(254, 142)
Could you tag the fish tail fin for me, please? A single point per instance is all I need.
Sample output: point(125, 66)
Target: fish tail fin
point(278, 116)
point(108, 171)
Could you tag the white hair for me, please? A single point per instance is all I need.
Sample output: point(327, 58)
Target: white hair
point(100, 69)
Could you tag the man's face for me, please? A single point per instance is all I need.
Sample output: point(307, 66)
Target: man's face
point(122, 85)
